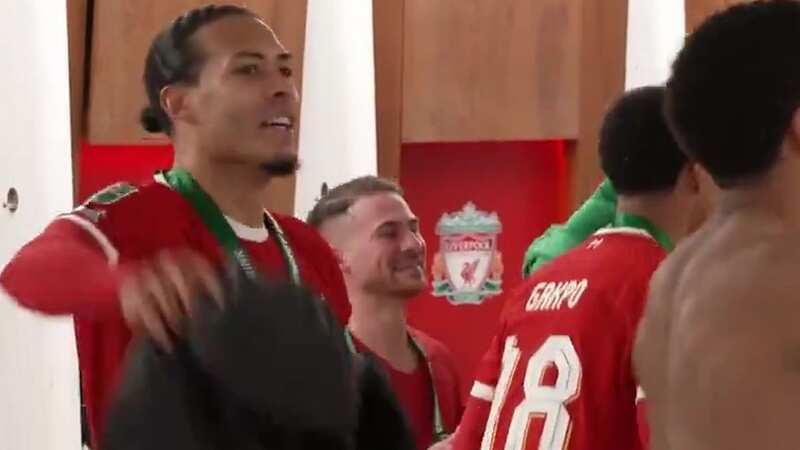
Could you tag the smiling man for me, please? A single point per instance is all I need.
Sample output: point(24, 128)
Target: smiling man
point(133, 259)
point(382, 256)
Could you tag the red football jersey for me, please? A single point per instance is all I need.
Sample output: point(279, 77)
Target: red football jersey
point(559, 374)
point(413, 390)
point(75, 265)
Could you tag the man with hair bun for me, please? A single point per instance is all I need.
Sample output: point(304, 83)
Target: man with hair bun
point(135, 260)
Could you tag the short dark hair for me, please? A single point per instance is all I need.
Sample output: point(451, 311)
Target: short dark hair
point(173, 58)
point(337, 201)
point(734, 88)
point(637, 151)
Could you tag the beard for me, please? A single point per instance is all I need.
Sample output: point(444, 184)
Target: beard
point(398, 288)
point(281, 166)
point(407, 292)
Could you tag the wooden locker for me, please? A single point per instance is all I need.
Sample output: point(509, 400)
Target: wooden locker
point(490, 70)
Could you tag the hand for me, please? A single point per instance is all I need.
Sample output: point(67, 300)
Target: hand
point(157, 297)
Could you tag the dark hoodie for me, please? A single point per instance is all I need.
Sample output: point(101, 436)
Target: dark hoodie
point(270, 371)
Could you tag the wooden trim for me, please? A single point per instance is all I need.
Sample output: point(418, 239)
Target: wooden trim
point(388, 24)
point(78, 34)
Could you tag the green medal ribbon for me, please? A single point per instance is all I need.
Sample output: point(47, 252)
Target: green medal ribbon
point(439, 433)
point(640, 223)
point(182, 182)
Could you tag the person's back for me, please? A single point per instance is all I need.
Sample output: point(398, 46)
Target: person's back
point(569, 330)
point(559, 373)
point(719, 373)
point(718, 351)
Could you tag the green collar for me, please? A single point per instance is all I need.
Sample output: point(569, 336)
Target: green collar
point(640, 223)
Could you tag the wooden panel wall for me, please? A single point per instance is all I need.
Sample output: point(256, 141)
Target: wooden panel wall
point(602, 79)
point(123, 31)
point(388, 42)
point(490, 70)
point(602, 69)
point(698, 10)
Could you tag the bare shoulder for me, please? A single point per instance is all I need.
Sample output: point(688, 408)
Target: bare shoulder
point(653, 332)
point(666, 280)
point(654, 324)
point(743, 295)
point(722, 307)
point(744, 318)
point(763, 271)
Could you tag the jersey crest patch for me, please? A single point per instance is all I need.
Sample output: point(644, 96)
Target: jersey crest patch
point(469, 266)
point(112, 194)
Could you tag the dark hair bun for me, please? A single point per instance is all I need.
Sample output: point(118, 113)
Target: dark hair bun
point(150, 121)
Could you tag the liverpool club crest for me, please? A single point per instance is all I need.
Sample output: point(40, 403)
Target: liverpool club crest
point(469, 266)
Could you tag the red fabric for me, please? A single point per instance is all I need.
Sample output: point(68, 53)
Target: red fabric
point(414, 390)
point(80, 258)
point(573, 345)
point(103, 165)
point(446, 378)
point(525, 182)
point(476, 414)
point(644, 426)
point(139, 226)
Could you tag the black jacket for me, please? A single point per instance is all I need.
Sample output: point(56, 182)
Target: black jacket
point(270, 371)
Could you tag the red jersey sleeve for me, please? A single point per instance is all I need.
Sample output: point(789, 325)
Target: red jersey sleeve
point(641, 418)
point(75, 266)
point(449, 366)
point(70, 268)
point(445, 378)
point(476, 415)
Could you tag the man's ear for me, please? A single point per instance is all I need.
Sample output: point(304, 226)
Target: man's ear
point(176, 103)
point(693, 175)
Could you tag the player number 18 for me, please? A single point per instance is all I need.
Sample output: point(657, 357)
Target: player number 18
point(549, 401)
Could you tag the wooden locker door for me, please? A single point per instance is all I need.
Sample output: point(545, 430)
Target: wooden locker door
point(490, 70)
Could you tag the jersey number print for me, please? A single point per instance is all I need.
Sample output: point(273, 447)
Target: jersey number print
point(539, 400)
